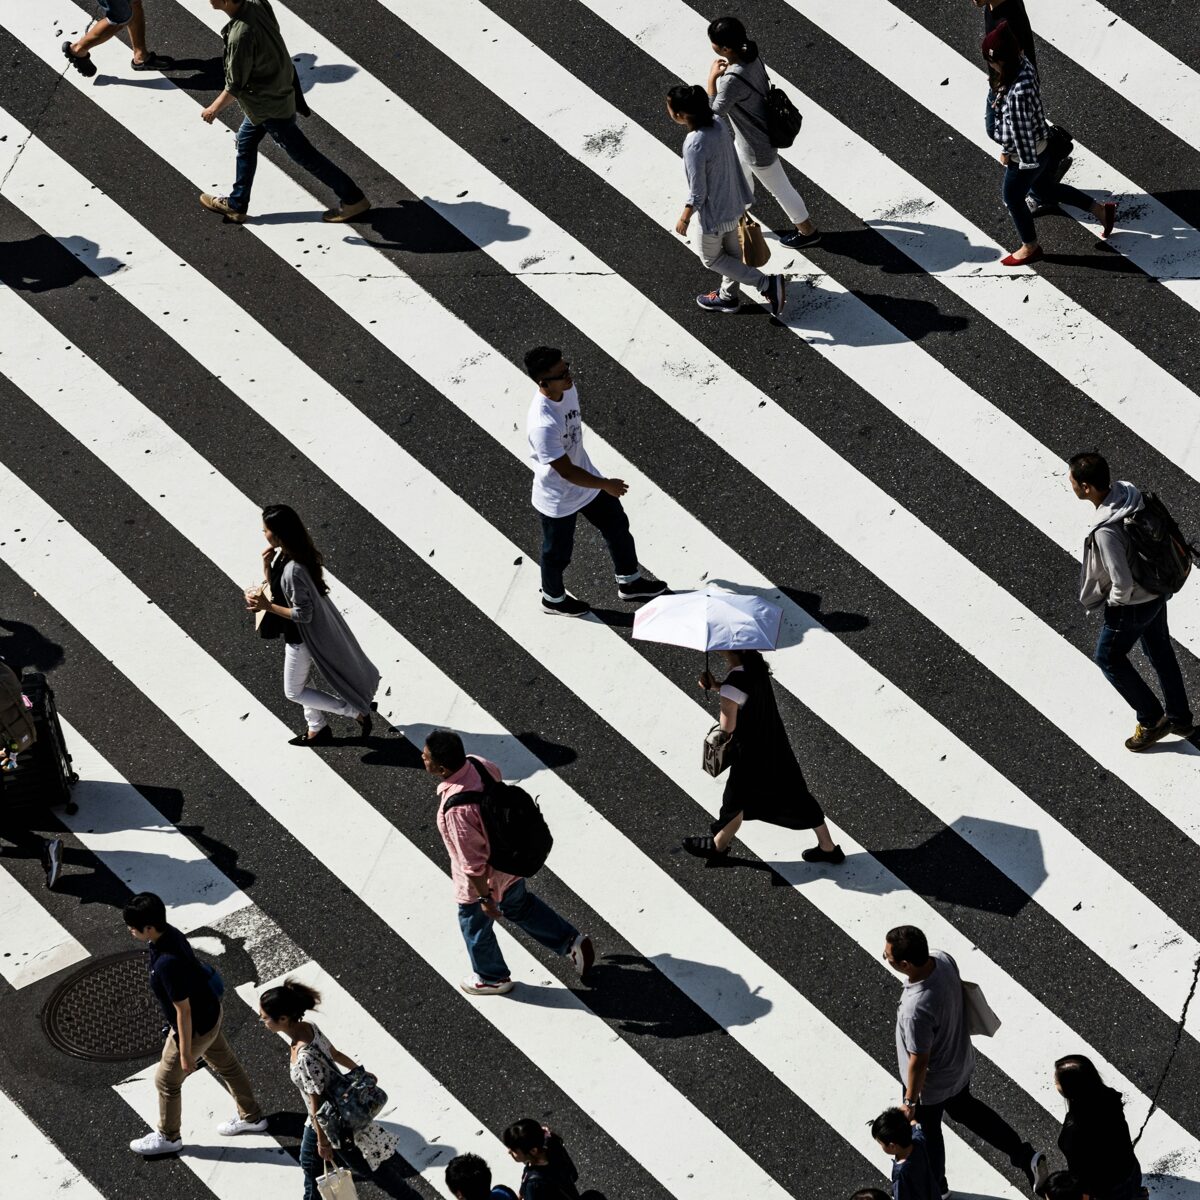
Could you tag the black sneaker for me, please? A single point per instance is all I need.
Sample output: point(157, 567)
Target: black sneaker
point(1146, 735)
point(815, 854)
point(642, 589)
point(1181, 728)
point(774, 287)
point(568, 606)
point(800, 241)
point(52, 860)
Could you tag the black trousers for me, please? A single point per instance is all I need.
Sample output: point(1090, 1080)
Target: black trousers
point(982, 1121)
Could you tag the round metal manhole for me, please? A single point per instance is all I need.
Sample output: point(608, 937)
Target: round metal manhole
point(106, 1012)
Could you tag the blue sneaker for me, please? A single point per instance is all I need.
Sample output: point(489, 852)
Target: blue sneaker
point(714, 302)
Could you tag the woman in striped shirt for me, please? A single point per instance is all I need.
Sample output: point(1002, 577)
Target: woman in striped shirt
point(1028, 152)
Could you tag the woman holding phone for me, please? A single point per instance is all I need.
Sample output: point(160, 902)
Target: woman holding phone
point(314, 632)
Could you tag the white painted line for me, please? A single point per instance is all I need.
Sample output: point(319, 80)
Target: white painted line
point(1067, 337)
point(1149, 234)
point(746, 996)
point(32, 1164)
point(416, 1100)
point(1124, 59)
point(971, 778)
point(140, 847)
point(660, 1128)
point(33, 945)
point(232, 1168)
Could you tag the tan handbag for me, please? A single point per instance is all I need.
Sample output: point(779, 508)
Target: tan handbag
point(336, 1183)
point(981, 1020)
point(755, 250)
point(718, 753)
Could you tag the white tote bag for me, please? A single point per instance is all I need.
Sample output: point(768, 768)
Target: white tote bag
point(981, 1020)
point(336, 1183)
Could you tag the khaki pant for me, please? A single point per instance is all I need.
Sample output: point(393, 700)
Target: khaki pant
point(215, 1051)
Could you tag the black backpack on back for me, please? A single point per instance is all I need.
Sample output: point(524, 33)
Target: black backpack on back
point(518, 835)
point(1160, 556)
point(783, 117)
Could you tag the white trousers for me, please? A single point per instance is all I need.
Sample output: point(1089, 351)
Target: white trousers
point(297, 663)
point(722, 252)
point(774, 179)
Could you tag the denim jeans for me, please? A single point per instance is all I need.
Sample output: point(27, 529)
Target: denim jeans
point(523, 909)
point(981, 1120)
point(1124, 626)
point(299, 149)
point(558, 541)
point(1018, 184)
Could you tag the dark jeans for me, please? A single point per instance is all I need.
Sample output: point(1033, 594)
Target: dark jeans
point(313, 1165)
point(982, 1121)
point(523, 909)
point(299, 149)
point(558, 541)
point(1018, 184)
point(1124, 626)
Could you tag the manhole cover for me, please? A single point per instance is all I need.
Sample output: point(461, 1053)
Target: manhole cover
point(106, 1011)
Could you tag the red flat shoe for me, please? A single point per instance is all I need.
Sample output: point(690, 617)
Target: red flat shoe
point(1110, 216)
point(1013, 261)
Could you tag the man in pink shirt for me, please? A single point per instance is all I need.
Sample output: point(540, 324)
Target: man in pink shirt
point(485, 894)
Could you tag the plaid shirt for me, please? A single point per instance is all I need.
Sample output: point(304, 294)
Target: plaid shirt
point(1020, 121)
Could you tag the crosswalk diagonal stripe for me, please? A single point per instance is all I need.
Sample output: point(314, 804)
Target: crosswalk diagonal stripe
point(33, 1164)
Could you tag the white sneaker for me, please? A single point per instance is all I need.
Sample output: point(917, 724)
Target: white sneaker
point(155, 1143)
point(582, 954)
point(237, 1125)
point(474, 986)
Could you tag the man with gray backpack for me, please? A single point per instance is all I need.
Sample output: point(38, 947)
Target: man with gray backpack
point(496, 837)
point(1134, 559)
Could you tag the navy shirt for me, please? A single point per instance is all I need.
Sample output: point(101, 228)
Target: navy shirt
point(1013, 11)
point(554, 1181)
point(912, 1177)
point(176, 975)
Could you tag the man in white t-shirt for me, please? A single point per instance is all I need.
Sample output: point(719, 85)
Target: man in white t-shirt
point(565, 485)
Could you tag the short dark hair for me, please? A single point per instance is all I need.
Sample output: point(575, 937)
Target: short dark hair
point(525, 1135)
point(1090, 466)
point(892, 1125)
point(691, 100)
point(469, 1176)
point(871, 1194)
point(143, 910)
point(446, 749)
point(540, 359)
point(1061, 1185)
point(908, 945)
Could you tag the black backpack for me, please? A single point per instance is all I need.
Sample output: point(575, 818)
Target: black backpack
point(783, 117)
point(1160, 556)
point(518, 835)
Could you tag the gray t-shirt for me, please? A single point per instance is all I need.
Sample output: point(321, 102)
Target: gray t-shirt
point(930, 1020)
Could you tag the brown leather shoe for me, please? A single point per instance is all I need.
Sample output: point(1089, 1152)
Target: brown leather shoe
point(220, 204)
point(1146, 735)
point(347, 212)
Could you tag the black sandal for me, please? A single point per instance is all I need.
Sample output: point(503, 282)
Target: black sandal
point(152, 62)
point(81, 62)
point(322, 737)
point(703, 847)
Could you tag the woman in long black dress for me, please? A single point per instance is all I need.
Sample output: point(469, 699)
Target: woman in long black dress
point(765, 781)
point(1095, 1136)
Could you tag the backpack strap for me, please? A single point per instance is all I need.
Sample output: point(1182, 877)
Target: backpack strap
point(486, 781)
point(747, 82)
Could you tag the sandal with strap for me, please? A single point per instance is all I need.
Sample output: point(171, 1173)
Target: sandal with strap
point(703, 847)
point(152, 62)
point(81, 62)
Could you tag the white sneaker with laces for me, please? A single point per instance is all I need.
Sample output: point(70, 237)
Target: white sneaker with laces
point(582, 954)
point(155, 1143)
point(237, 1125)
point(474, 986)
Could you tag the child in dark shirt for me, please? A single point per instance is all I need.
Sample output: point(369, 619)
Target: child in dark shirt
point(549, 1172)
point(912, 1175)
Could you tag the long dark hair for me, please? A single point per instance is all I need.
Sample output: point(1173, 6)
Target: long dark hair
point(1002, 54)
point(730, 33)
point(691, 100)
point(754, 664)
point(1081, 1084)
point(284, 522)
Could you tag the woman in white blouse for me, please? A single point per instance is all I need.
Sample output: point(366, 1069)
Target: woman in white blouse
point(282, 1010)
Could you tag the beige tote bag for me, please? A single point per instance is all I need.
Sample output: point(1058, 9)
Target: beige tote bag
point(336, 1183)
point(755, 250)
point(981, 1020)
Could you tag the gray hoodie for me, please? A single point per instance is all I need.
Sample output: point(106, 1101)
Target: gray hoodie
point(1106, 576)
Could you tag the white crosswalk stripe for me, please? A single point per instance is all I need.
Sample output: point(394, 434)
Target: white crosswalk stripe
point(1053, 916)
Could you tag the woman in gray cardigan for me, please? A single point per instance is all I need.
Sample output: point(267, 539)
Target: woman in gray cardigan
point(718, 195)
point(314, 632)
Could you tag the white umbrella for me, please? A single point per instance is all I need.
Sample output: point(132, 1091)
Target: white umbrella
point(710, 621)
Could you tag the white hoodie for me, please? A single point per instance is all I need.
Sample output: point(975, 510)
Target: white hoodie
point(1106, 576)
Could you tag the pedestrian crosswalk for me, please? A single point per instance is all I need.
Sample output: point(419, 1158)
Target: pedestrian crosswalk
point(736, 1038)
